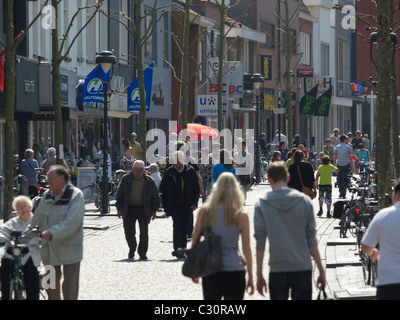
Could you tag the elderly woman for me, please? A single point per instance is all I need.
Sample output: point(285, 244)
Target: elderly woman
point(30, 261)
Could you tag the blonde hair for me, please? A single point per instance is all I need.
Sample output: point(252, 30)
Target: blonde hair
point(226, 192)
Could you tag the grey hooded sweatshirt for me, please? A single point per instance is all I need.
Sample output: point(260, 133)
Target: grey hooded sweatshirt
point(286, 217)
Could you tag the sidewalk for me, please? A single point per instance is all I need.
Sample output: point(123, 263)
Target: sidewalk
point(343, 269)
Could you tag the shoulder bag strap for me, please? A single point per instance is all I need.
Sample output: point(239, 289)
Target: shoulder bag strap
point(301, 180)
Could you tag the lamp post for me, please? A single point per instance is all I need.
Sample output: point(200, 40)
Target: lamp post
point(257, 79)
point(105, 60)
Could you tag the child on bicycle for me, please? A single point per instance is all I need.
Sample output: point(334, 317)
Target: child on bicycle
point(30, 261)
point(323, 182)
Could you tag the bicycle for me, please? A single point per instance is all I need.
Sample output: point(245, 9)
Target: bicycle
point(370, 267)
point(18, 250)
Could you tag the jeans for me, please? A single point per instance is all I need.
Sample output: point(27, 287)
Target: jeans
point(227, 284)
point(299, 282)
point(388, 292)
point(342, 179)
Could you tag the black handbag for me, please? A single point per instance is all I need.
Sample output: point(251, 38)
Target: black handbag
point(205, 258)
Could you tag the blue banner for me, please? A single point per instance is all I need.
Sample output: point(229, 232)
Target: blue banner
point(93, 89)
point(133, 90)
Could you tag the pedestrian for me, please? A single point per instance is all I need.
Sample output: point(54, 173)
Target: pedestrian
point(356, 141)
point(319, 161)
point(290, 159)
point(276, 156)
point(29, 168)
point(279, 136)
point(60, 217)
point(223, 213)
point(335, 138)
point(301, 173)
point(285, 216)
point(37, 155)
point(206, 172)
point(51, 160)
point(329, 150)
point(137, 199)
point(226, 164)
point(136, 148)
point(366, 142)
point(296, 141)
point(244, 168)
point(383, 230)
point(283, 150)
point(155, 174)
point(363, 157)
point(30, 261)
point(344, 163)
point(324, 184)
point(180, 194)
point(263, 143)
point(305, 151)
point(126, 149)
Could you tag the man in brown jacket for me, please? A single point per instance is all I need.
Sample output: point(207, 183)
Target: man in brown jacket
point(137, 199)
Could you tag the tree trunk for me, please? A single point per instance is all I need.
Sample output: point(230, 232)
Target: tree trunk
point(185, 66)
point(383, 127)
point(10, 76)
point(221, 63)
point(288, 78)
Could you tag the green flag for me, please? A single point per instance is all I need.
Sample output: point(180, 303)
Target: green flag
point(322, 104)
point(308, 100)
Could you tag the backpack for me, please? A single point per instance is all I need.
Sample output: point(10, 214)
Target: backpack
point(338, 209)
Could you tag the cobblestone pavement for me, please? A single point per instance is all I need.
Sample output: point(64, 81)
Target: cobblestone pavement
point(108, 274)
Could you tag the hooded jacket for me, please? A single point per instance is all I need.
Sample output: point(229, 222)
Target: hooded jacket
point(286, 217)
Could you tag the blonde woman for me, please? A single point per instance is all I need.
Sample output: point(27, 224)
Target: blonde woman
point(223, 212)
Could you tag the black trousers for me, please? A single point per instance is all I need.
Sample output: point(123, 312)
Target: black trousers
point(31, 279)
point(229, 285)
point(388, 292)
point(180, 218)
point(136, 214)
point(299, 283)
point(342, 179)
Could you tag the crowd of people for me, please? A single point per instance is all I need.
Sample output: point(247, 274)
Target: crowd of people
point(284, 216)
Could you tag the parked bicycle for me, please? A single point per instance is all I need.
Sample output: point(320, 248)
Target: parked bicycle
point(18, 248)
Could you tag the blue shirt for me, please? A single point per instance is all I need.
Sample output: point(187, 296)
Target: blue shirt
point(219, 168)
point(343, 152)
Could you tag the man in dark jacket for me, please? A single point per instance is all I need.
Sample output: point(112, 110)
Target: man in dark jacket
point(180, 193)
point(137, 199)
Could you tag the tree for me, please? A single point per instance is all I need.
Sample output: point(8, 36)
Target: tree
point(58, 56)
point(140, 37)
point(10, 47)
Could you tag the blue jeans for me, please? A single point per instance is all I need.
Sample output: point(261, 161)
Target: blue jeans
point(298, 282)
point(388, 292)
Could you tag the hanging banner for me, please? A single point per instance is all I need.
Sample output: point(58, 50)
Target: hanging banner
point(322, 105)
point(266, 66)
point(232, 81)
point(93, 89)
point(307, 101)
point(133, 90)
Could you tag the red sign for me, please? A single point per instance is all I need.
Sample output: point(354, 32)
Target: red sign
point(305, 72)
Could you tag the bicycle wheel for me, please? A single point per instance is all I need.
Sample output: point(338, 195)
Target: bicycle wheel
point(88, 193)
point(345, 222)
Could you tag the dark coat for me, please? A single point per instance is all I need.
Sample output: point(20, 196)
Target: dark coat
point(151, 197)
point(191, 188)
point(307, 175)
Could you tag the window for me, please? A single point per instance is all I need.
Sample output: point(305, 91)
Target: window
point(343, 73)
point(305, 48)
point(150, 46)
point(166, 37)
point(91, 36)
point(269, 30)
point(325, 60)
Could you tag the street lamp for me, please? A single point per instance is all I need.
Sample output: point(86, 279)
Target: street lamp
point(105, 60)
point(373, 39)
point(365, 86)
point(257, 79)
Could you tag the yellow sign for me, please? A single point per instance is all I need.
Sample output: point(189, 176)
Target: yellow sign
point(269, 100)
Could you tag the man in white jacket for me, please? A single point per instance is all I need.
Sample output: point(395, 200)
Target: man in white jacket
point(60, 217)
